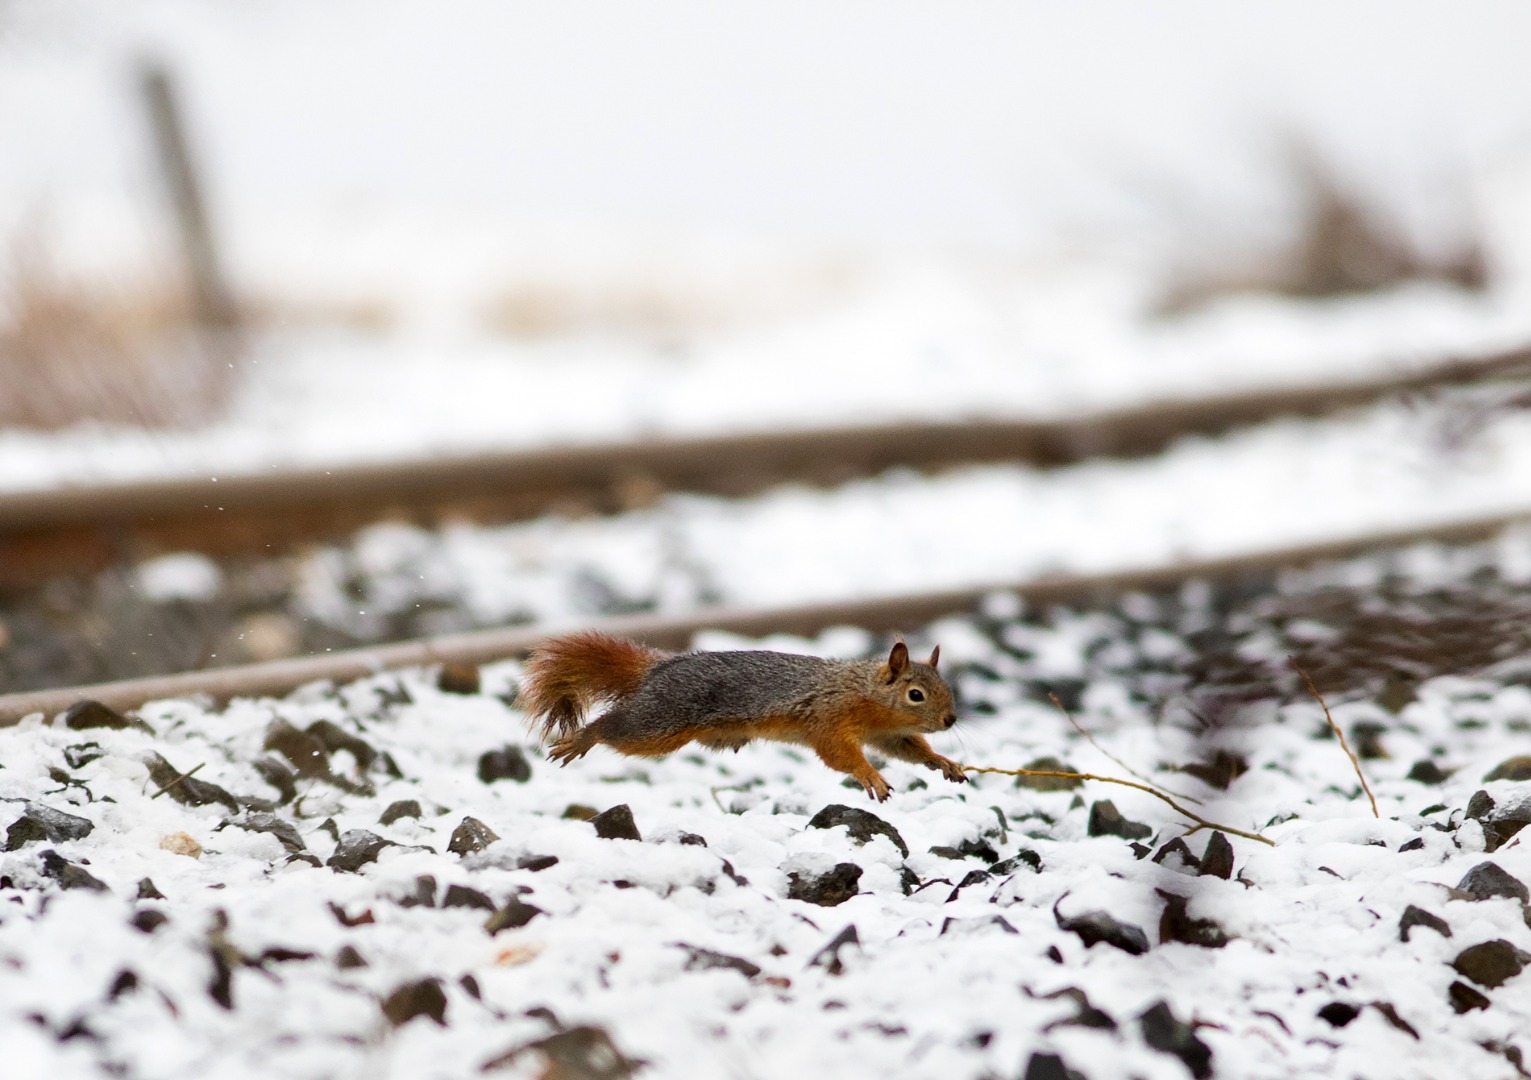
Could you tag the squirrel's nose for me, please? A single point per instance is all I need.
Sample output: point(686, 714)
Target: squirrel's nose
point(950, 720)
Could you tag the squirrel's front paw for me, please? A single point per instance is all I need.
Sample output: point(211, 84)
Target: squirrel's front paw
point(952, 771)
point(877, 787)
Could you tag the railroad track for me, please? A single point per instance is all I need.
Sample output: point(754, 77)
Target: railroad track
point(79, 529)
point(876, 614)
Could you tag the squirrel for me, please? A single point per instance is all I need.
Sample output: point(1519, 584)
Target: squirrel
point(722, 700)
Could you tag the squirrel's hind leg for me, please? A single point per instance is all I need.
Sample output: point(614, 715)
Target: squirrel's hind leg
point(573, 747)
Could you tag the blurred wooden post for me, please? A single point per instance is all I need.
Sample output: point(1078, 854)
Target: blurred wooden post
point(212, 301)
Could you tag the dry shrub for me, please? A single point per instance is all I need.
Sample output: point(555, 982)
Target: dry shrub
point(655, 312)
point(72, 351)
point(1339, 245)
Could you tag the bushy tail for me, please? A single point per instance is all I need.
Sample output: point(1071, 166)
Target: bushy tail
point(566, 675)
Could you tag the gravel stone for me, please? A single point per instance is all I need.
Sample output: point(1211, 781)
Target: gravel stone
point(1217, 860)
point(88, 714)
point(1414, 916)
point(828, 889)
point(1107, 820)
point(1491, 963)
point(1488, 880)
point(861, 824)
point(1171, 1036)
point(402, 808)
point(39, 822)
point(422, 998)
point(506, 763)
point(69, 875)
point(616, 824)
point(471, 835)
point(1515, 768)
point(1097, 926)
point(357, 848)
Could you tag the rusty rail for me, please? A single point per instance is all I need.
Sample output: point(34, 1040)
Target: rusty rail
point(84, 528)
point(877, 614)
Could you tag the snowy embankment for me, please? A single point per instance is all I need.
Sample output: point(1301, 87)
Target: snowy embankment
point(388, 880)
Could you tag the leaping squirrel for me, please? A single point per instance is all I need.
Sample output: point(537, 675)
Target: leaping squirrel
point(662, 701)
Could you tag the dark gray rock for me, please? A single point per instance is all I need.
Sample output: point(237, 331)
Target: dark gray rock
point(457, 677)
point(1048, 783)
point(536, 862)
point(87, 714)
point(515, 914)
point(471, 835)
point(1414, 916)
point(1171, 1036)
point(279, 776)
point(829, 957)
point(1175, 924)
point(1488, 880)
point(1515, 768)
point(833, 887)
point(281, 828)
point(357, 847)
point(1480, 806)
point(82, 754)
point(148, 920)
point(1177, 855)
point(147, 891)
point(1217, 860)
point(185, 788)
point(463, 896)
point(1098, 926)
point(1042, 1066)
point(1026, 858)
point(861, 824)
point(39, 822)
point(422, 998)
point(616, 824)
point(400, 809)
point(305, 750)
point(69, 875)
point(1107, 820)
point(980, 924)
point(349, 959)
point(423, 895)
point(1426, 771)
point(1492, 963)
point(699, 959)
point(1339, 1013)
point(506, 763)
point(1464, 998)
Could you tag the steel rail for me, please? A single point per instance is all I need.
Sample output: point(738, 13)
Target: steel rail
point(86, 527)
point(878, 614)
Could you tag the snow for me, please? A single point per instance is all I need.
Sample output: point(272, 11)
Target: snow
point(1314, 919)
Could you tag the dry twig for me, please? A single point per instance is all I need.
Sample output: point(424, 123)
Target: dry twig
point(1091, 739)
point(1344, 743)
point(1201, 822)
point(176, 781)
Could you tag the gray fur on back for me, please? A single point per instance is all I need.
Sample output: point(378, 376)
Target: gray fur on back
point(712, 687)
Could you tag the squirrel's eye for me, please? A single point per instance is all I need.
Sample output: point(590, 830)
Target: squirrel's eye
point(915, 694)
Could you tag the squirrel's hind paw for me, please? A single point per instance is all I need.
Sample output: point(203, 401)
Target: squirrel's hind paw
point(570, 749)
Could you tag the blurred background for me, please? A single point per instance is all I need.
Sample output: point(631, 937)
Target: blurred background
point(418, 231)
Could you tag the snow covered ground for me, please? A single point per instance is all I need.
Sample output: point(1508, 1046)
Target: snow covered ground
point(315, 901)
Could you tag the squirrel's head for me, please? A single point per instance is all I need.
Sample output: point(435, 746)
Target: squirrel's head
point(917, 690)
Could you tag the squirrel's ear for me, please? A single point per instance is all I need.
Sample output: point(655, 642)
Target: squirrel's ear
point(935, 656)
point(898, 659)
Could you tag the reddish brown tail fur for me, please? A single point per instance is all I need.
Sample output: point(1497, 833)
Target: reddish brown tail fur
point(566, 675)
